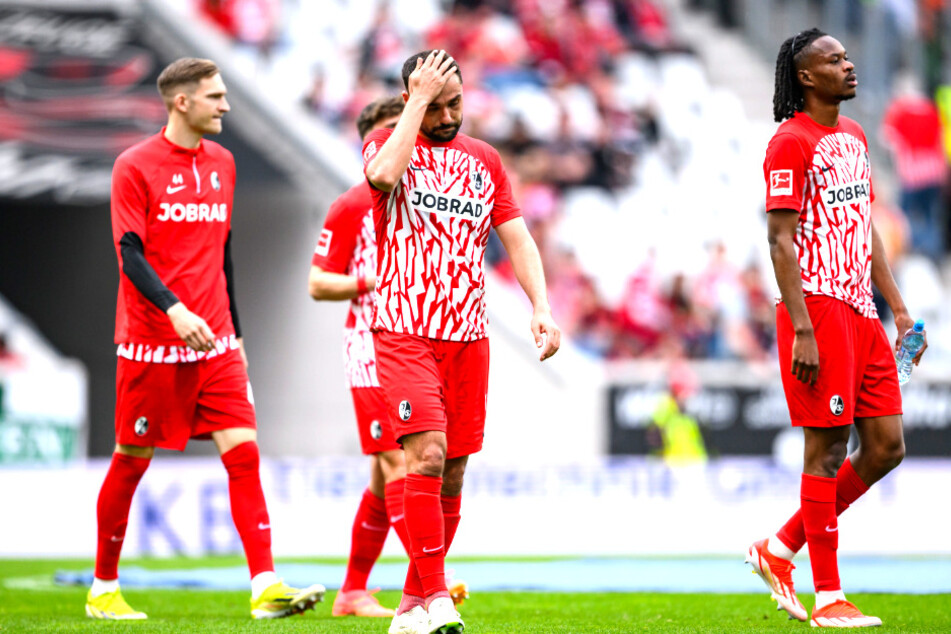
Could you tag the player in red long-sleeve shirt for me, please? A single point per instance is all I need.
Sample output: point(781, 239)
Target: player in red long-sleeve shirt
point(182, 371)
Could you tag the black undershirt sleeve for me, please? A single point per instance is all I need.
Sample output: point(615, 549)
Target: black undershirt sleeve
point(229, 279)
point(141, 273)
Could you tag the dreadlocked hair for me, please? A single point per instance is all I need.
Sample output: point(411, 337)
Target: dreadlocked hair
point(787, 95)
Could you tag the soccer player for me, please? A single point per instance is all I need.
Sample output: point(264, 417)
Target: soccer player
point(344, 268)
point(436, 195)
point(182, 370)
point(838, 370)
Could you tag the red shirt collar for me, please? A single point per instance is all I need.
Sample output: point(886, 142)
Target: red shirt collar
point(179, 148)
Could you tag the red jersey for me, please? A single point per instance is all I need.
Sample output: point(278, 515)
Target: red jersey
point(825, 174)
point(912, 125)
point(347, 245)
point(431, 231)
point(178, 201)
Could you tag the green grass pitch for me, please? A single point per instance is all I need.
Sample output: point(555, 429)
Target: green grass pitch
point(29, 602)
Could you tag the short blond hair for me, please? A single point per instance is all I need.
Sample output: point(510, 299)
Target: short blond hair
point(184, 72)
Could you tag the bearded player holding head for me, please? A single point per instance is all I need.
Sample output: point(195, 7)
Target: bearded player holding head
point(182, 371)
point(436, 195)
point(837, 366)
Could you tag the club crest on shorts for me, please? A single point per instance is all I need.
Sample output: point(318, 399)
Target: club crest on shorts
point(837, 405)
point(141, 426)
point(376, 430)
point(406, 410)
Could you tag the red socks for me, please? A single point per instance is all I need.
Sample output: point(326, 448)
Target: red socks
point(112, 511)
point(370, 528)
point(848, 488)
point(394, 510)
point(822, 531)
point(450, 513)
point(426, 527)
point(412, 588)
point(248, 509)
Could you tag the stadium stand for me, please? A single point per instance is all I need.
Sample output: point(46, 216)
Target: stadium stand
point(607, 117)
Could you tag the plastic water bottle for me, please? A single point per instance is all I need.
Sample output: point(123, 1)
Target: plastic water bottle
point(911, 343)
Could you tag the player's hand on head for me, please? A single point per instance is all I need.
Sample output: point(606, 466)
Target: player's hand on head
point(431, 75)
point(547, 334)
point(191, 328)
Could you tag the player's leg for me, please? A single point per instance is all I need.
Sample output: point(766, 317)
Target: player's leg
point(410, 377)
point(371, 523)
point(370, 528)
point(411, 611)
point(829, 403)
point(128, 465)
point(270, 596)
point(225, 412)
point(881, 449)
point(393, 467)
point(464, 367)
point(879, 427)
point(144, 418)
point(826, 448)
point(425, 459)
point(451, 499)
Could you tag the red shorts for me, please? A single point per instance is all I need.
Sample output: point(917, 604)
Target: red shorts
point(373, 422)
point(435, 385)
point(857, 375)
point(165, 404)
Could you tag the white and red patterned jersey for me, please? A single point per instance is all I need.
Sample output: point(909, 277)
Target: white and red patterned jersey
point(825, 174)
point(347, 245)
point(431, 231)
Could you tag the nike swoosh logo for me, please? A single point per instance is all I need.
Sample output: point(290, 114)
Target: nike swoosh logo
point(116, 539)
point(831, 530)
point(418, 169)
point(173, 190)
point(395, 519)
point(370, 527)
point(263, 527)
point(432, 550)
point(827, 168)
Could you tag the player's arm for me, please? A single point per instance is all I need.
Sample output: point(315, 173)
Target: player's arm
point(232, 302)
point(527, 265)
point(885, 283)
point(327, 285)
point(782, 225)
point(385, 170)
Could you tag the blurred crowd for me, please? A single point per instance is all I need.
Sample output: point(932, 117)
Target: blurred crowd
point(641, 184)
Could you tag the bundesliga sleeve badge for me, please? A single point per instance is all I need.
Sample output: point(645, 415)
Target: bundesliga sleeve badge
point(780, 183)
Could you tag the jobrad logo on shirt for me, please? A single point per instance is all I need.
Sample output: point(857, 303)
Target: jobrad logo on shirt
point(193, 212)
point(847, 194)
point(446, 204)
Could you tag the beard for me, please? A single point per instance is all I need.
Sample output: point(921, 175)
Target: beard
point(446, 133)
